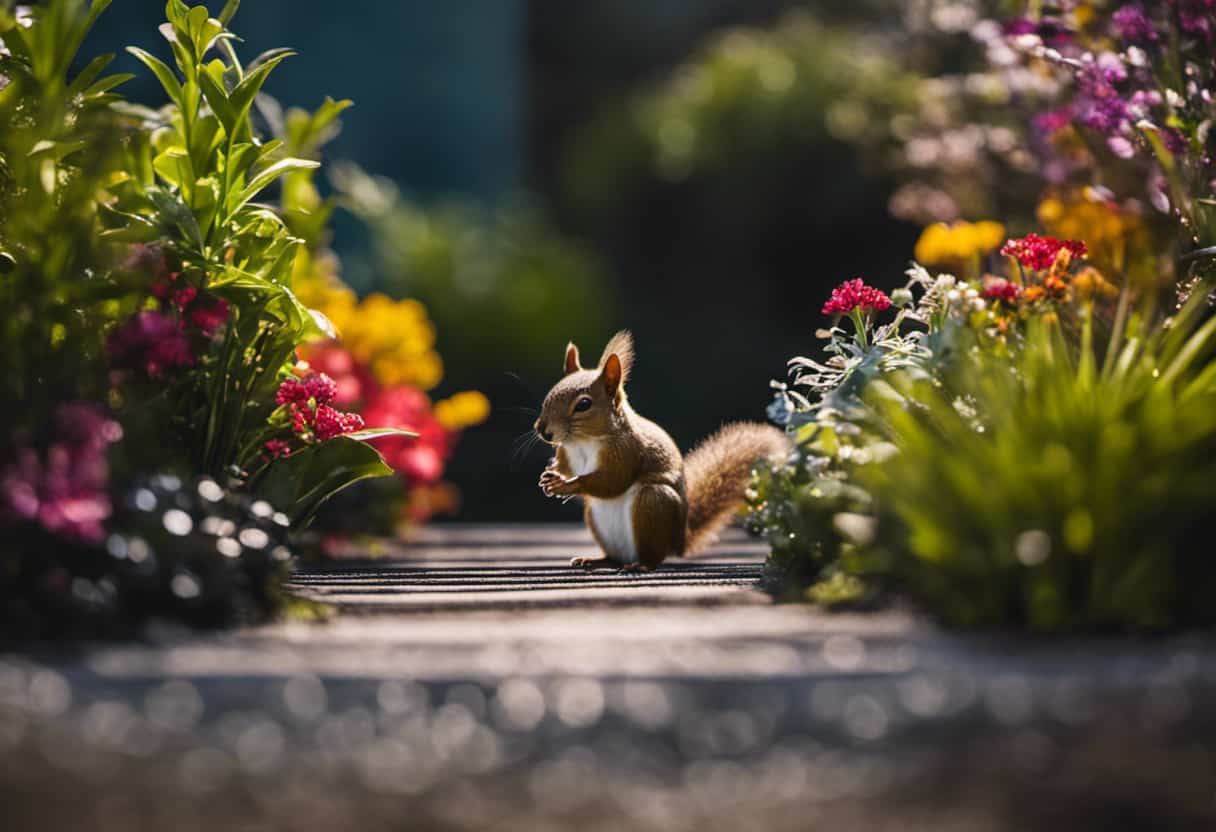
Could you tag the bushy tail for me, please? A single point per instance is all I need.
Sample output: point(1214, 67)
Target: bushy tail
point(716, 474)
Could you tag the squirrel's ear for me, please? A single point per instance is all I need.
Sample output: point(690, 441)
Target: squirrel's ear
point(620, 345)
point(572, 364)
point(612, 375)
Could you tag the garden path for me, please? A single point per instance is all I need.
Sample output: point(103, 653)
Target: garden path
point(474, 681)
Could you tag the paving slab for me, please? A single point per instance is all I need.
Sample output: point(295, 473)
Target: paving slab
point(472, 680)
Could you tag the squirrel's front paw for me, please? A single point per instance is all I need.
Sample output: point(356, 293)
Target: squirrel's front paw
point(554, 484)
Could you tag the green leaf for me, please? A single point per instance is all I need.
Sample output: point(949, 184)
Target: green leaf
point(243, 94)
point(162, 72)
point(176, 214)
point(299, 484)
point(174, 166)
point(106, 84)
point(228, 11)
point(56, 150)
point(268, 175)
point(217, 99)
point(89, 74)
point(378, 433)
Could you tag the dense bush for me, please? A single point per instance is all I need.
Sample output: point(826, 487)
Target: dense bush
point(168, 433)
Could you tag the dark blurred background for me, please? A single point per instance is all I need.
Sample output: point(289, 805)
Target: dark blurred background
point(567, 169)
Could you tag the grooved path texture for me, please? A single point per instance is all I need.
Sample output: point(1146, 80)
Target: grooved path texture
point(473, 681)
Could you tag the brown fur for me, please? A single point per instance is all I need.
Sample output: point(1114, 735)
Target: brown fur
point(717, 472)
point(681, 505)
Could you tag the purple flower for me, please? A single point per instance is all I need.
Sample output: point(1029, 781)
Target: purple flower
point(1132, 24)
point(1197, 17)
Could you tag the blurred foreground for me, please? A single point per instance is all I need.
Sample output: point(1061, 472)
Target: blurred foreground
point(528, 697)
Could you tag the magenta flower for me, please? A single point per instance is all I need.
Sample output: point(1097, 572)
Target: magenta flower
point(330, 422)
point(152, 342)
point(1002, 290)
point(67, 492)
point(856, 295)
point(321, 388)
point(1035, 252)
point(310, 412)
point(278, 448)
point(208, 316)
point(1132, 24)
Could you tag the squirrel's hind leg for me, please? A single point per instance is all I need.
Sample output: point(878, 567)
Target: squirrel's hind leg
point(659, 520)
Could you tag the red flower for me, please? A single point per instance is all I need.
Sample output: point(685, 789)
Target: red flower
point(301, 417)
point(329, 422)
point(291, 390)
point(855, 294)
point(183, 297)
point(208, 317)
point(150, 341)
point(1002, 290)
point(354, 382)
point(420, 460)
point(1038, 253)
point(278, 448)
point(321, 387)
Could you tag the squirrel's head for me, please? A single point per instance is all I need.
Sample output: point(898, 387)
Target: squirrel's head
point(588, 403)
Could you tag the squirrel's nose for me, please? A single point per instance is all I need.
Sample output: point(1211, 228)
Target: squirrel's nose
point(543, 430)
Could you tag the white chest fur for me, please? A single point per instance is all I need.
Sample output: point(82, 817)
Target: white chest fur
point(613, 518)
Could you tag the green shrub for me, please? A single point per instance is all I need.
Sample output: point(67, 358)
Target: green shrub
point(1049, 490)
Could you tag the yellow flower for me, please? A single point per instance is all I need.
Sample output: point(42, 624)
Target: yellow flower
point(1108, 230)
point(462, 410)
point(958, 243)
point(395, 339)
point(1089, 283)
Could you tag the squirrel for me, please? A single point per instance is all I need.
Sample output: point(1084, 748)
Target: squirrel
point(643, 501)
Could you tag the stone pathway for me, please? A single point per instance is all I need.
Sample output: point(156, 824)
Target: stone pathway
point(473, 681)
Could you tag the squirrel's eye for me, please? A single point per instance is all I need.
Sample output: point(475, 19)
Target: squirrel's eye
point(582, 404)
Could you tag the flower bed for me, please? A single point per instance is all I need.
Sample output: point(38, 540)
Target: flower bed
point(177, 342)
point(1029, 438)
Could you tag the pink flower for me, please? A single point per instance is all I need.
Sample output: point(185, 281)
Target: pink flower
point(854, 294)
point(152, 342)
point(67, 492)
point(1002, 290)
point(419, 460)
point(329, 422)
point(183, 297)
point(1035, 252)
point(277, 448)
point(321, 387)
point(208, 316)
point(291, 390)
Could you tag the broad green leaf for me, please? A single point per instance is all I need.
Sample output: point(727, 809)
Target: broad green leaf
point(299, 484)
point(205, 140)
point(168, 80)
point(174, 166)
